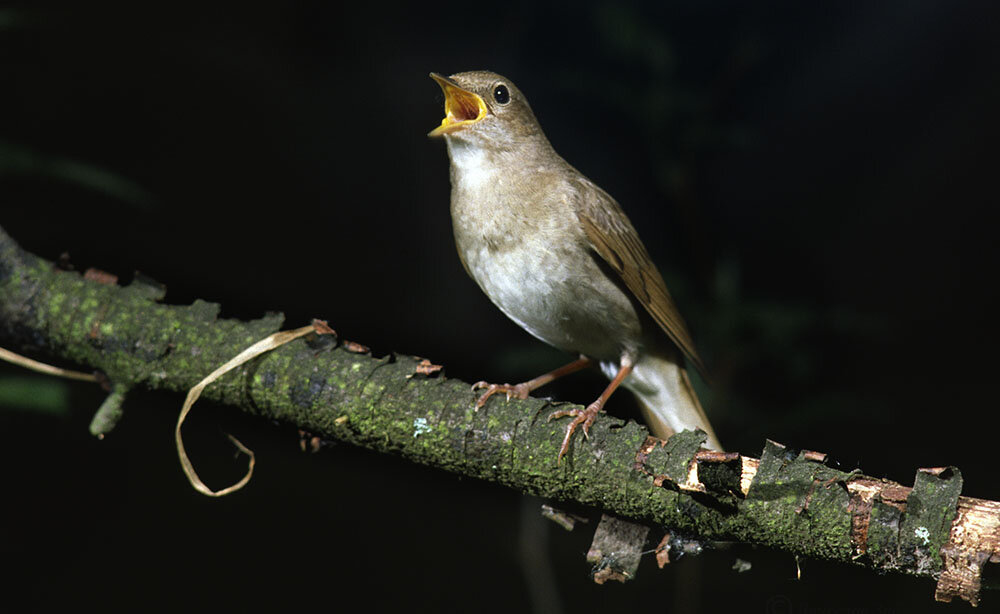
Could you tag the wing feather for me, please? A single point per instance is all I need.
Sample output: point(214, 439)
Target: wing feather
point(614, 238)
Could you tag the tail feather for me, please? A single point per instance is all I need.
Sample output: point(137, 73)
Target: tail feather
point(667, 398)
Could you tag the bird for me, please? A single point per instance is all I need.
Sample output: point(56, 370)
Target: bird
point(558, 256)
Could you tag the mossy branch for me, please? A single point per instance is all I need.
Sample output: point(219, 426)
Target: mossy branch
point(401, 405)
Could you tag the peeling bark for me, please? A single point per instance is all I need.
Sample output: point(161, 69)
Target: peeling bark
point(405, 405)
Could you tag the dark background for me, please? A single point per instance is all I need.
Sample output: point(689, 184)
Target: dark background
point(815, 182)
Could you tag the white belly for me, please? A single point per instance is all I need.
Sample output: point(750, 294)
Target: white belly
point(526, 294)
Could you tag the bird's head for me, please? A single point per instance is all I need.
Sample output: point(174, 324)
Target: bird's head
point(484, 108)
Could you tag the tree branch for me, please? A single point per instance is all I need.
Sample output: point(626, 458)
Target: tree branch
point(400, 405)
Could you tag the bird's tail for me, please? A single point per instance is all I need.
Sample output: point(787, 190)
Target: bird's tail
point(667, 398)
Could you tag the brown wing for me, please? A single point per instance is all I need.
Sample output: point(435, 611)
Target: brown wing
point(613, 237)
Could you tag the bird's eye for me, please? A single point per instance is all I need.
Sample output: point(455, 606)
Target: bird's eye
point(501, 94)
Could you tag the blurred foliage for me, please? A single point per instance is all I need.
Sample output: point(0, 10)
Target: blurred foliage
point(677, 114)
point(29, 393)
point(11, 18)
point(16, 160)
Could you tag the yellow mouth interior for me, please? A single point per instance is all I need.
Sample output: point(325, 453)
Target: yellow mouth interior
point(461, 107)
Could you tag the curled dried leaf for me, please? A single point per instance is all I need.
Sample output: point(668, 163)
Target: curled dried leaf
point(264, 345)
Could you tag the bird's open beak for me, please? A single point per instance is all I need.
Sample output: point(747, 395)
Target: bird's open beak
point(461, 107)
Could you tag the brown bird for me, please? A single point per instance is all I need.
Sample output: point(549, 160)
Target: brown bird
point(558, 256)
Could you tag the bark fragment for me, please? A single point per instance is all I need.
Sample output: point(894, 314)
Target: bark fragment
point(616, 549)
point(973, 540)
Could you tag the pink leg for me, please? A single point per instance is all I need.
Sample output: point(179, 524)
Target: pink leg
point(522, 390)
point(586, 416)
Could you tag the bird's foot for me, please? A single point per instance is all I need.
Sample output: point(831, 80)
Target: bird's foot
point(513, 391)
point(580, 416)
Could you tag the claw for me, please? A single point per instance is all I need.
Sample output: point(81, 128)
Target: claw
point(585, 417)
point(519, 391)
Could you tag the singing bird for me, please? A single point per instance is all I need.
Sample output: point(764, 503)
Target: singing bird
point(559, 257)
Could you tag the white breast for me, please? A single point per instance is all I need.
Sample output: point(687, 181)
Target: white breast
point(471, 162)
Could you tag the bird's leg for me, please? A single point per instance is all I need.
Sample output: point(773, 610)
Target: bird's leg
point(521, 391)
point(586, 416)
